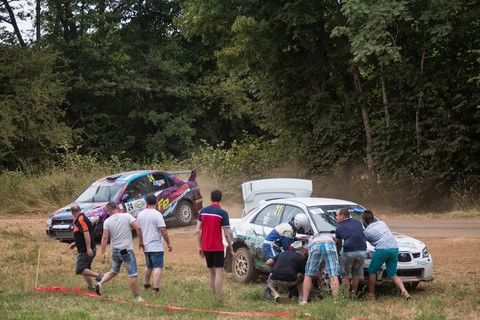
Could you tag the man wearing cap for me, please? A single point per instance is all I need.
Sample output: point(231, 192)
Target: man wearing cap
point(83, 234)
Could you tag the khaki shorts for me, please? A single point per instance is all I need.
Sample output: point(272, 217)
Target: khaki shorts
point(284, 284)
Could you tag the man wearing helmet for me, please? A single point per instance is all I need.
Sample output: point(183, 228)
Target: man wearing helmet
point(282, 236)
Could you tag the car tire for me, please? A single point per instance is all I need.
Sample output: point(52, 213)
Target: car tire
point(184, 214)
point(243, 269)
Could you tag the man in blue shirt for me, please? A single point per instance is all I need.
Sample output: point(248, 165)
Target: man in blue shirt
point(354, 250)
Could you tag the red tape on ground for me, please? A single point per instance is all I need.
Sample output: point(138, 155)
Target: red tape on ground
point(282, 314)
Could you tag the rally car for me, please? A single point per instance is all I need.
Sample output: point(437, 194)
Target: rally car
point(177, 200)
point(270, 202)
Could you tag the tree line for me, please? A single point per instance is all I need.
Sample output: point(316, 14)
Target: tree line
point(382, 93)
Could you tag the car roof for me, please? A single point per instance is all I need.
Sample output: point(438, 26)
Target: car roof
point(312, 201)
point(127, 176)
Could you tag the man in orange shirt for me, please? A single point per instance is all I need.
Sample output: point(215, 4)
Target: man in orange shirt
point(83, 234)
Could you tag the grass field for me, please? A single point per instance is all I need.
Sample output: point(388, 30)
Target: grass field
point(454, 294)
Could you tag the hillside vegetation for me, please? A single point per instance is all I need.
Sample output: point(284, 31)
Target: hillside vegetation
point(375, 100)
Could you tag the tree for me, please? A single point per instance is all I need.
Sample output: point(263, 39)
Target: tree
point(7, 15)
point(31, 100)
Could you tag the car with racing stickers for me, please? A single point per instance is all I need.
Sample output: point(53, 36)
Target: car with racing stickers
point(271, 202)
point(179, 201)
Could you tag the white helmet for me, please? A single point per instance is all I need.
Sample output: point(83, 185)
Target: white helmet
point(301, 221)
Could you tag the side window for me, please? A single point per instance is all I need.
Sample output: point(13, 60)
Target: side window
point(290, 212)
point(269, 216)
point(160, 182)
point(137, 189)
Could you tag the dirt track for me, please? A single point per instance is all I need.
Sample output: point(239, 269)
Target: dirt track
point(449, 241)
point(434, 227)
point(424, 228)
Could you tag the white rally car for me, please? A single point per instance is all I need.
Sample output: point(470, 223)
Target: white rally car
point(270, 202)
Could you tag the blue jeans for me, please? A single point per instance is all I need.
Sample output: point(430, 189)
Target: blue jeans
point(154, 259)
point(128, 259)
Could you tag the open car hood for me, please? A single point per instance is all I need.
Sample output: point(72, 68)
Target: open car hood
point(406, 243)
point(256, 191)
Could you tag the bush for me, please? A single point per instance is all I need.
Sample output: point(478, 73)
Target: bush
point(248, 159)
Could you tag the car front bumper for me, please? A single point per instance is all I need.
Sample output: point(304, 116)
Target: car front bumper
point(417, 270)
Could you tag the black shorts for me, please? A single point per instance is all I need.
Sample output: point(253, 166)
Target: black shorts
point(84, 261)
point(215, 259)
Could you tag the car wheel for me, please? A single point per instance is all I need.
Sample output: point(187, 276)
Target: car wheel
point(242, 266)
point(184, 214)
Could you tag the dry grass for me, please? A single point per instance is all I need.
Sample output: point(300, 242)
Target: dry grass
point(454, 294)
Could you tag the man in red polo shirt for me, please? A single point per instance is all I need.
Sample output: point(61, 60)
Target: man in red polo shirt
point(212, 221)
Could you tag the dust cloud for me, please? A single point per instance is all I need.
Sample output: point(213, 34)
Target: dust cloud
point(349, 183)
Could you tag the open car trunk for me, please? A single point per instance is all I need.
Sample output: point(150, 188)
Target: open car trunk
point(256, 191)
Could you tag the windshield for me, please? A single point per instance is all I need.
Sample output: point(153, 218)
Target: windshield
point(100, 193)
point(324, 216)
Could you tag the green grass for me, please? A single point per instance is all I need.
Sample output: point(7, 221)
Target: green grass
point(454, 294)
point(18, 300)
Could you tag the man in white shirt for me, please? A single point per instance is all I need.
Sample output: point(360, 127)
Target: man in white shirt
point(118, 227)
point(321, 247)
point(154, 232)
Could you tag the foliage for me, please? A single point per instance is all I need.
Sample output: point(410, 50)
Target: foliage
point(247, 159)
point(299, 57)
point(381, 93)
point(32, 94)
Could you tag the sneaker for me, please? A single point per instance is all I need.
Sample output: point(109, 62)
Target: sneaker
point(91, 289)
point(138, 300)
point(302, 303)
point(98, 287)
point(146, 286)
point(276, 297)
point(405, 295)
point(99, 277)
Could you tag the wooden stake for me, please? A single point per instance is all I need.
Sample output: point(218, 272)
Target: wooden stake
point(38, 267)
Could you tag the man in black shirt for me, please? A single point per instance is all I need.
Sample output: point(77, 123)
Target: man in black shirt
point(287, 272)
point(83, 234)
